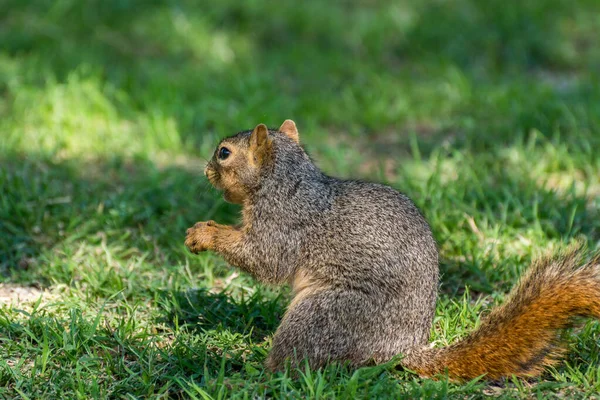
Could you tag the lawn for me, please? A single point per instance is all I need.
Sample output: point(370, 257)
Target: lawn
point(486, 113)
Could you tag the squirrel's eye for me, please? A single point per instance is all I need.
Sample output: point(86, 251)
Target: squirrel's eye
point(224, 153)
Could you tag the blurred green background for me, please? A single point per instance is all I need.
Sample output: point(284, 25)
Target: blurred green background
point(486, 113)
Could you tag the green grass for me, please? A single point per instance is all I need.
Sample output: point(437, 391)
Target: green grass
point(487, 114)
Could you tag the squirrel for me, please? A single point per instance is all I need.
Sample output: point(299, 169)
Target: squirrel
point(363, 266)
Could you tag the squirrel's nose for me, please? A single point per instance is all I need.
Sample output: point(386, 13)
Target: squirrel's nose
point(206, 170)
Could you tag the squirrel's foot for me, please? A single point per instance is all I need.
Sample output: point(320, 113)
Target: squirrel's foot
point(201, 236)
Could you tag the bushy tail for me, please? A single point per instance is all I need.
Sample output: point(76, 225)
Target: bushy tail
point(521, 337)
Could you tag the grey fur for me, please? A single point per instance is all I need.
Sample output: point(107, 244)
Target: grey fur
point(364, 250)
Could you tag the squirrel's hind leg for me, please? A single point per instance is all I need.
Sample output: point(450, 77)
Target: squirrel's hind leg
point(331, 325)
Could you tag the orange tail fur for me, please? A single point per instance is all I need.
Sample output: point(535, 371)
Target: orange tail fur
point(521, 337)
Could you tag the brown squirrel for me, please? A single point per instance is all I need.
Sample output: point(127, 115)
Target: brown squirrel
point(363, 266)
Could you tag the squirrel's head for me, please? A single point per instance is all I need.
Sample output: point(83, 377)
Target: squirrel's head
point(240, 160)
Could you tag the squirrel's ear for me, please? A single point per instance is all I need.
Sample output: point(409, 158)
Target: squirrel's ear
point(259, 143)
point(289, 128)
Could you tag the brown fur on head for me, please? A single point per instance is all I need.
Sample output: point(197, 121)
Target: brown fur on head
point(237, 161)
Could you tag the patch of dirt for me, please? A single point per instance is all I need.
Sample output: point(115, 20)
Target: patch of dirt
point(15, 294)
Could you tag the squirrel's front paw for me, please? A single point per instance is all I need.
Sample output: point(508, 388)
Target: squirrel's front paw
point(201, 236)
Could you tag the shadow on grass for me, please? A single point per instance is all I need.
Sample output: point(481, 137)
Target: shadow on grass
point(130, 357)
point(199, 310)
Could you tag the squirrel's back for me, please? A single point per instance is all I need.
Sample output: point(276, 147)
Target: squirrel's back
point(379, 230)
